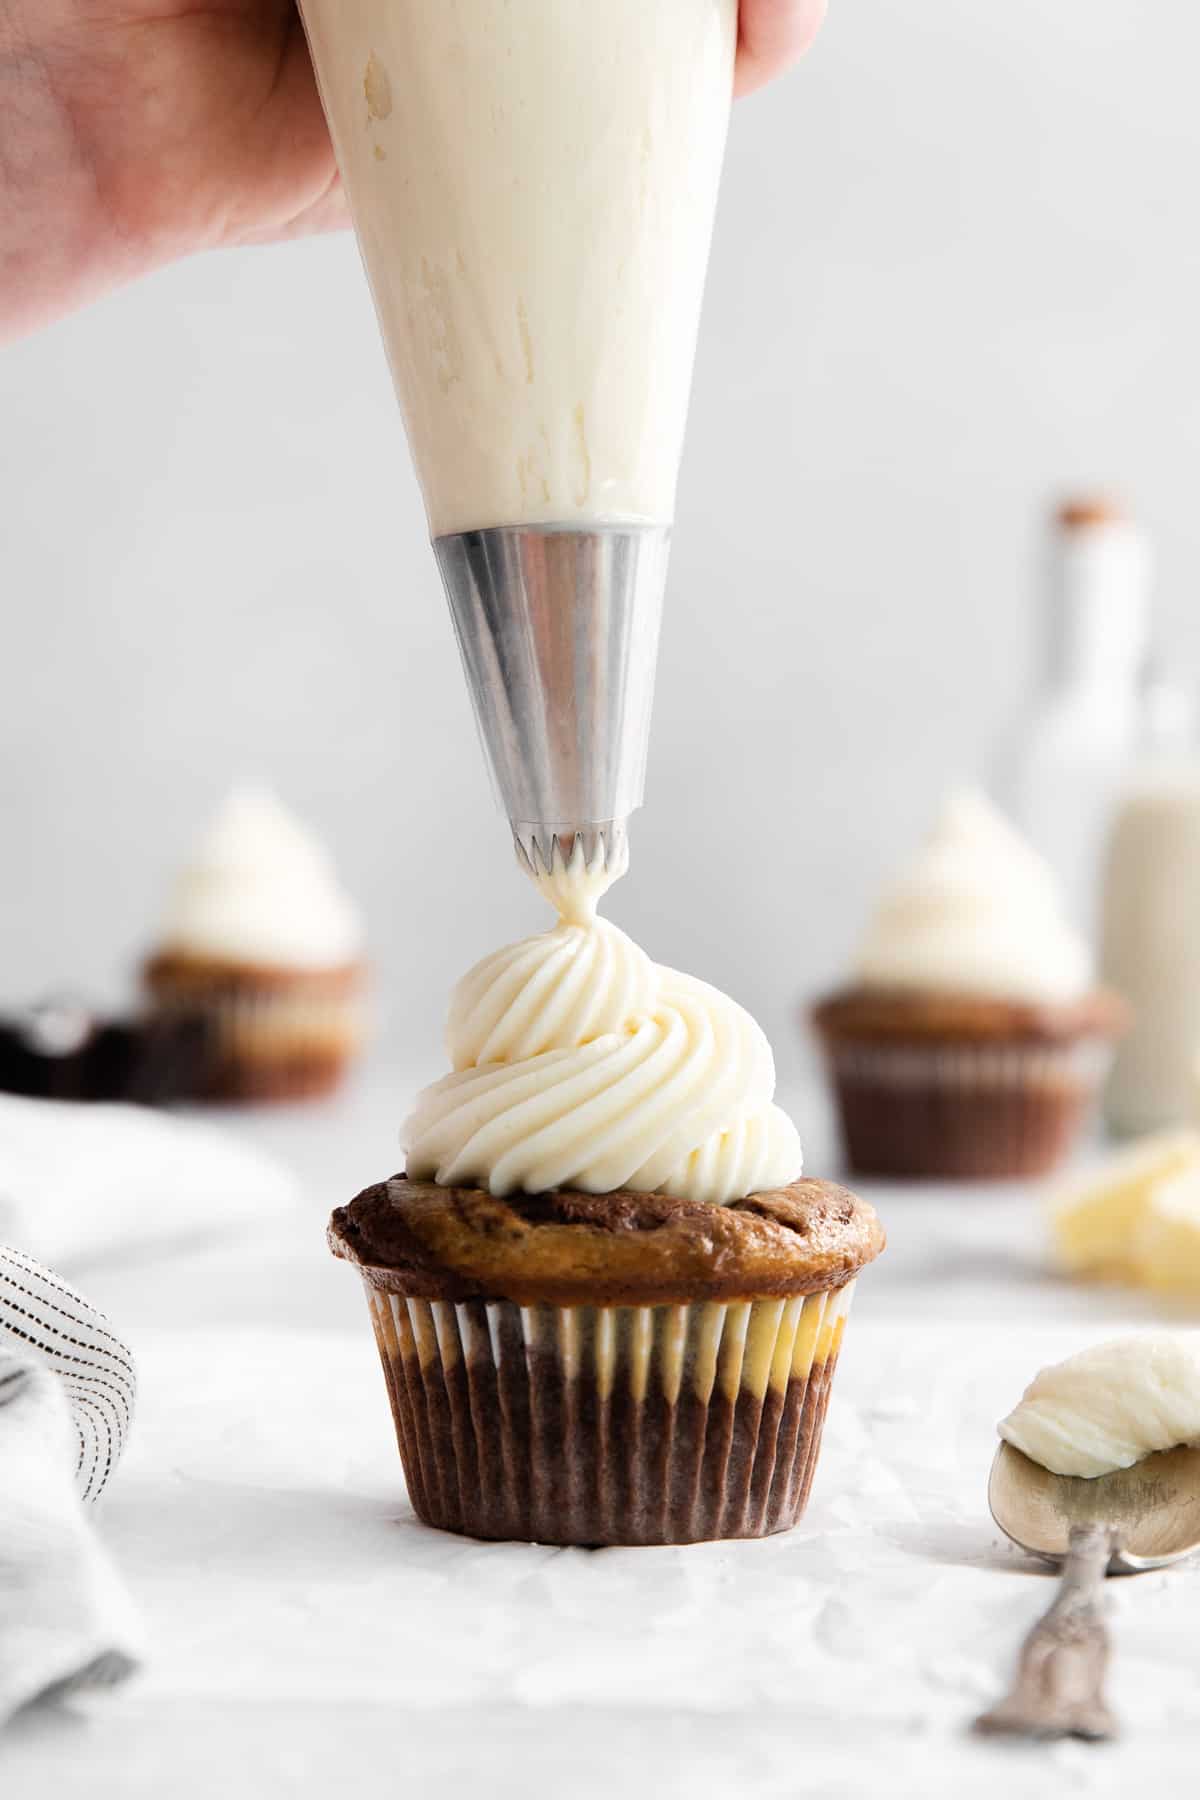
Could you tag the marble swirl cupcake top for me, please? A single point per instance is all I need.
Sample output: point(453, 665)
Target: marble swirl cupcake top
point(623, 1249)
point(578, 1063)
point(976, 912)
point(260, 890)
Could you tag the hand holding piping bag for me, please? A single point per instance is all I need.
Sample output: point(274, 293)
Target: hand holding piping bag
point(101, 182)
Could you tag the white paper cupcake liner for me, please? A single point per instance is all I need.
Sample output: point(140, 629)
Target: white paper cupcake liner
point(964, 1111)
point(273, 1043)
point(609, 1425)
point(972, 1066)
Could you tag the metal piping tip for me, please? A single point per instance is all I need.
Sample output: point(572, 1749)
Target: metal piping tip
point(558, 631)
point(573, 871)
point(544, 851)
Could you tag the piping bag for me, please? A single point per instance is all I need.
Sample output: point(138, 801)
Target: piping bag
point(533, 184)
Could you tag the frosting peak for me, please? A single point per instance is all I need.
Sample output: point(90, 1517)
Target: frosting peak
point(976, 912)
point(579, 1063)
point(261, 889)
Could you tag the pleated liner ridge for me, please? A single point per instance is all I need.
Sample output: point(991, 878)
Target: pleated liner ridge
point(609, 1425)
point(964, 1111)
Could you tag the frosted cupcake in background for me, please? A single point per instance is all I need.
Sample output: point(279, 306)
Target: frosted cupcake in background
point(261, 941)
point(972, 1037)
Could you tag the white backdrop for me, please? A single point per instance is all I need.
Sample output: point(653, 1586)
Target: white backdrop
point(956, 267)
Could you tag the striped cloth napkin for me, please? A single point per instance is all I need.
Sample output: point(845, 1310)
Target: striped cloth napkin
point(66, 1401)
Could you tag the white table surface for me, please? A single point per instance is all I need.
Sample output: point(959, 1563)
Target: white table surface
point(309, 1637)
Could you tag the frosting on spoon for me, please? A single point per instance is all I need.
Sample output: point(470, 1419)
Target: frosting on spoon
point(1111, 1405)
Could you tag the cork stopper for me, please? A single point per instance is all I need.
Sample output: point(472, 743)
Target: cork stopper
point(1081, 511)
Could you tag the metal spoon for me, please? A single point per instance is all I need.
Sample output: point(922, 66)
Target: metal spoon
point(1119, 1524)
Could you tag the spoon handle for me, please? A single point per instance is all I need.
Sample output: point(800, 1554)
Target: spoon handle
point(1059, 1689)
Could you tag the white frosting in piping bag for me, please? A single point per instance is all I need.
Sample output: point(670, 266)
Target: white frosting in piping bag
point(579, 1063)
point(1110, 1406)
point(533, 184)
point(976, 912)
point(261, 889)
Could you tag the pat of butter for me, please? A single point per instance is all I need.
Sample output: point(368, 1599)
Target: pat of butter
point(1165, 1251)
point(1099, 1221)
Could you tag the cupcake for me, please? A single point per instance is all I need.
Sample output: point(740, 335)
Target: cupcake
point(607, 1306)
point(262, 945)
point(972, 1039)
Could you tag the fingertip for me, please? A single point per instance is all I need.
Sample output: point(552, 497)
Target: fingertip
point(773, 34)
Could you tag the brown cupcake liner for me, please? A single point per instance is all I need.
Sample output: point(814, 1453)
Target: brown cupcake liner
point(269, 1042)
point(963, 1111)
point(609, 1425)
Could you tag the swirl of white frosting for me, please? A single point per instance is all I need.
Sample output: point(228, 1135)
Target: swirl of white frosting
point(260, 889)
point(976, 912)
point(578, 1063)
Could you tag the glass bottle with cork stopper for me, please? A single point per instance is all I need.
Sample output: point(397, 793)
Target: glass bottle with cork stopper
point(1075, 748)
